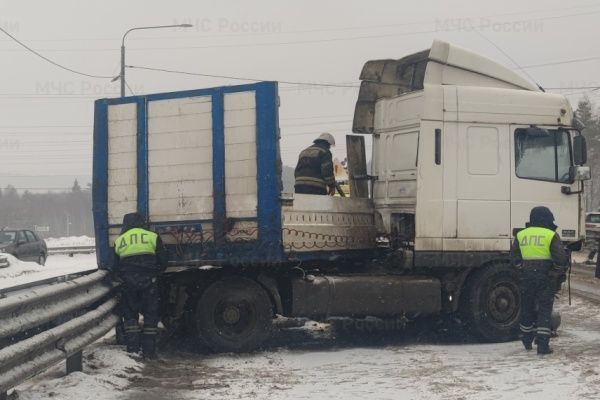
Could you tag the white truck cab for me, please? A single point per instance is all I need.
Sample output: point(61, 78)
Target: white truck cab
point(463, 148)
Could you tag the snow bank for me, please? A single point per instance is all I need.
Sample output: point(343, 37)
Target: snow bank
point(70, 241)
point(16, 268)
point(580, 257)
point(21, 272)
point(106, 371)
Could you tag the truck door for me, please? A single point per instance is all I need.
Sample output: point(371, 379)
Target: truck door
point(541, 159)
point(483, 184)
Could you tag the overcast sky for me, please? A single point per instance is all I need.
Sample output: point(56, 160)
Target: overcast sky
point(47, 113)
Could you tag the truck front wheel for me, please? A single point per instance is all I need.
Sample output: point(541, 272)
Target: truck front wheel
point(492, 303)
point(233, 315)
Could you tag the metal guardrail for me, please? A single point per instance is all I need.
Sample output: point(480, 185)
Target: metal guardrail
point(48, 323)
point(70, 250)
point(55, 279)
point(584, 283)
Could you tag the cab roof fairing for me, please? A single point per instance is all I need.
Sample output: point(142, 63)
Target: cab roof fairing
point(442, 64)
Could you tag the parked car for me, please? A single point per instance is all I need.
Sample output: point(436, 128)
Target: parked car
point(24, 245)
point(592, 225)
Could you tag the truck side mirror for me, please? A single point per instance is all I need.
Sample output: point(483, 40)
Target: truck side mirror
point(580, 173)
point(579, 150)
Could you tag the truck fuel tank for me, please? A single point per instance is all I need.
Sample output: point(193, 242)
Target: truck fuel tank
point(360, 296)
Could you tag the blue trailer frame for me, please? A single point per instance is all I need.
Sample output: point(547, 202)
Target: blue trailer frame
point(268, 248)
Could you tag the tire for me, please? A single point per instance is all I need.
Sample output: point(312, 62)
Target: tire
point(42, 259)
point(234, 315)
point(492, 304)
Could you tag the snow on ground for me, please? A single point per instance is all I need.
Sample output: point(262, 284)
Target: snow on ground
point(107, 369)
point(580, 257)
point(70, 241)
point(405, 366)
point(20, 272)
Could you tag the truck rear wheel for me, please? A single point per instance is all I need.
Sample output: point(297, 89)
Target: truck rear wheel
point(492, 305)
point(233, 315)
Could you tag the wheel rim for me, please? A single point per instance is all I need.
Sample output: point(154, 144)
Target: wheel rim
point(503, 302)
point(234, 318)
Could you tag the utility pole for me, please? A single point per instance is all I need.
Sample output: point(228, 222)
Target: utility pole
point(122, 75)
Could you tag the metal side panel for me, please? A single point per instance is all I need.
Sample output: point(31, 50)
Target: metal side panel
point(203, 166)
point(241, 187)
point(180, 159)
point(122, 187)
point(323, 223)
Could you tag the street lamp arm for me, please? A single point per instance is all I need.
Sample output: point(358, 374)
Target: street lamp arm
point(153, 27)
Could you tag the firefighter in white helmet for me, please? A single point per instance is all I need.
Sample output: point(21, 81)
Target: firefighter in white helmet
point(314, 171)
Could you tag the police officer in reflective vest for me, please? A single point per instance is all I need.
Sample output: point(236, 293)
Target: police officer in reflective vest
point(538, 253)
point(314, 171)
point(139, 259)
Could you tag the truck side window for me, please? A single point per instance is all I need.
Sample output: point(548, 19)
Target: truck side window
point(543, 154)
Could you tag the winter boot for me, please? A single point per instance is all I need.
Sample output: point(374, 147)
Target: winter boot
point(527, 339)
point(132, 336)
point(133, 342)
point(149, 346)
point(543, 345)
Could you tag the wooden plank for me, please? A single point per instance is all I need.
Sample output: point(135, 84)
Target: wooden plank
point(357, 166)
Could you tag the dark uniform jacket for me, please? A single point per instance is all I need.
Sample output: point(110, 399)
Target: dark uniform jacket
point(315, 167)
point(152, 264)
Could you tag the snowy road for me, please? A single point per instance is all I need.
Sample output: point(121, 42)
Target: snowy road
point(356, 363)
point(413, 365)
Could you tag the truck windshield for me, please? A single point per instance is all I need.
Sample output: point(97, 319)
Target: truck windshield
point(543, 154)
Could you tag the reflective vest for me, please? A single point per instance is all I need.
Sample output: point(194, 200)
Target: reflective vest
point(534, 243)
point(136, 242)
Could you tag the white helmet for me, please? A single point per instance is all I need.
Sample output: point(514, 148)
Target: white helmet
point(328, 137)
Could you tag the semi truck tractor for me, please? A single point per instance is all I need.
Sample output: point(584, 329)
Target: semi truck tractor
point(463, 148)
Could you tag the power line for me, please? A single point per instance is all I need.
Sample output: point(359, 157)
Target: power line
point(577, 60)
point(237, 78)
point(43, 126)
point(319, 30)
point(573, 88)
point(315, 117)
point(337, 85)
point(507, 56)
point(310, 41)
point(344, 121)
point(49, 60)
point(130, 90)
point(42, 188)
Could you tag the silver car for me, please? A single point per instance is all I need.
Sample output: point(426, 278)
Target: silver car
point(24, 245)
point(592, 226)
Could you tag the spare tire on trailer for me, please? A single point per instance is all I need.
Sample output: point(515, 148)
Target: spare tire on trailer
point(491, 303)
point(234, 314)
